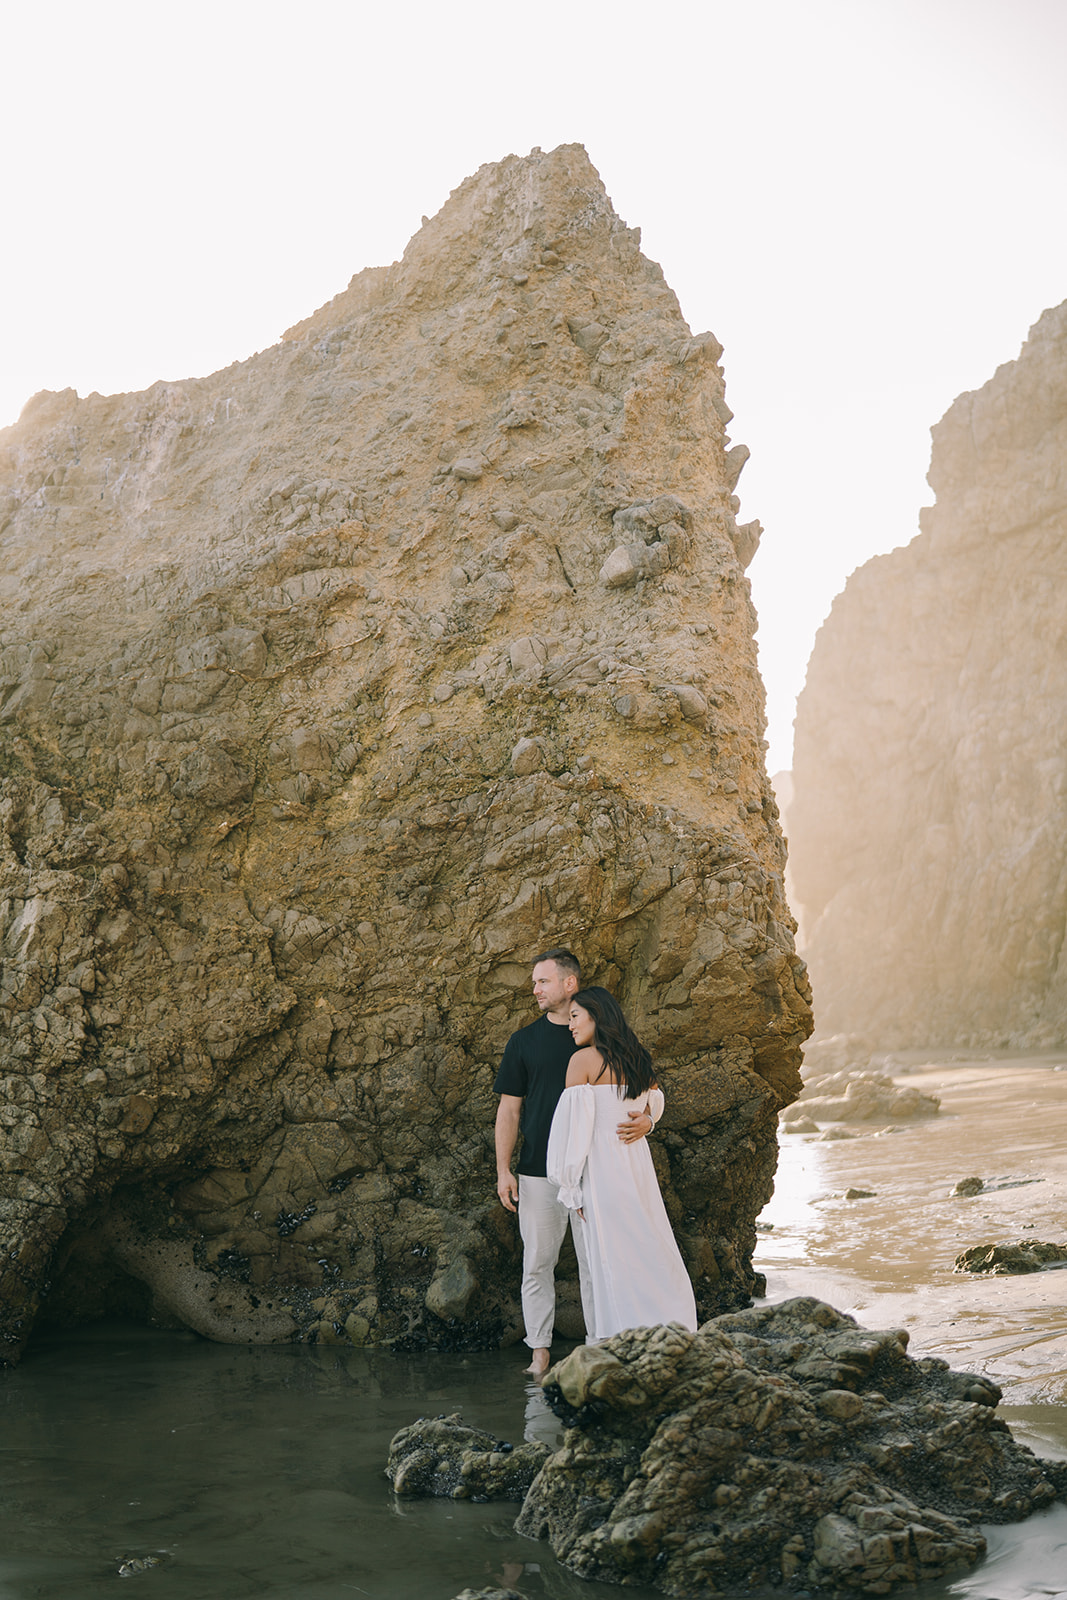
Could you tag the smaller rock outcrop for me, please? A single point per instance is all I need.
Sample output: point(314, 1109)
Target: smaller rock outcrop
point(443, 1456)
point(840, 1085)
point(969, 1188)
point(1000, 1260)
point(836, 1052)
point(858, 1097)
point(490, 1594)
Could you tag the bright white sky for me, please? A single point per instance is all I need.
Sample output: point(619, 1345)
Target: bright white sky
point(864, 199)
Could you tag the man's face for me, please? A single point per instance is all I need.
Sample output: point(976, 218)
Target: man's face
point(551, 987)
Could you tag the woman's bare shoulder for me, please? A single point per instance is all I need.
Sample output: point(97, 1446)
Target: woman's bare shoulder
point(583, 1066)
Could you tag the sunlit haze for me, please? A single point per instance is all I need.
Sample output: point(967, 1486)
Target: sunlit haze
point(864, 201)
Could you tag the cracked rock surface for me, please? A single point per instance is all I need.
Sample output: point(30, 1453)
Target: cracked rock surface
point(333, 687)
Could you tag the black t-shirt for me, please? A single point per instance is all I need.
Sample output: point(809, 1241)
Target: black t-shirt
point(535, 1067)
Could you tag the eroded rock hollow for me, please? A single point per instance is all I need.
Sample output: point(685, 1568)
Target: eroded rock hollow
point(335, 686)
point(928, 842)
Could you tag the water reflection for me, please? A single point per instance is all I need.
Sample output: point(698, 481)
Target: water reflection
point(1019, 1571)
point(792, 1213)
point(540, 1423)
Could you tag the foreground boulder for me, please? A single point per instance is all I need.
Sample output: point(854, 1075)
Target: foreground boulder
point(333, 687)
point(778, 1443)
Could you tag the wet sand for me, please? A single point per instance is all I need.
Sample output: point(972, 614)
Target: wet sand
point(888, 1260)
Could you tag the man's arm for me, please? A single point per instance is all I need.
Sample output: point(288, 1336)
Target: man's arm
point(506, 1133)
point(638, 1126)
point(634, 1128)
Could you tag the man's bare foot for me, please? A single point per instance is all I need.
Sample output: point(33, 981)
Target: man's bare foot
point(539, 1365)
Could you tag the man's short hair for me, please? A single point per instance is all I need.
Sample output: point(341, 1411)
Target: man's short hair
point(565, 960)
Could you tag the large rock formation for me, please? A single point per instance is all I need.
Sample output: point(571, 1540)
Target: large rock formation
point(335, 686)
point(928, 834)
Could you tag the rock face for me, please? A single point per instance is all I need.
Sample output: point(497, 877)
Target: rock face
point(928, 835)
point(334, 687)
point(785, 1443)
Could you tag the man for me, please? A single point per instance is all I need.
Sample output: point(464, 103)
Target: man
point(532, 1076)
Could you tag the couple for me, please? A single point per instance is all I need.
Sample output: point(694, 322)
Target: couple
point(568, 1078)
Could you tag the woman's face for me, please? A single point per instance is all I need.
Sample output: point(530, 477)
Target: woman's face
point(581, 1025)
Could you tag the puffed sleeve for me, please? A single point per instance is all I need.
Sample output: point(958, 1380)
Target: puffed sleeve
point(655, 1103)
point(569, 1139)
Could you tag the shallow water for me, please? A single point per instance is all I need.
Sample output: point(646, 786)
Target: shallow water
point(250, 1472)
point(257, 1472)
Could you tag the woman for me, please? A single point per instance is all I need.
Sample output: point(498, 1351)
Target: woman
point(636, 1271)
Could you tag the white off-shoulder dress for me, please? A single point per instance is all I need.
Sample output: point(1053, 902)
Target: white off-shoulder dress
point(637, 1275)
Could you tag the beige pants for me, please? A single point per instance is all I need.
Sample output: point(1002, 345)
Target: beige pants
point(542, 1224)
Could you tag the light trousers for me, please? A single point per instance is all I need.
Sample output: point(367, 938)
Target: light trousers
point(543, 1224)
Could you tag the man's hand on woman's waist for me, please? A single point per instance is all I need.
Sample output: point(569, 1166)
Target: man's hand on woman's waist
point(638, 1125)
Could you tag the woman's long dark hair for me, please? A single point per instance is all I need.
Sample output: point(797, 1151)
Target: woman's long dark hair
point(622, 1050)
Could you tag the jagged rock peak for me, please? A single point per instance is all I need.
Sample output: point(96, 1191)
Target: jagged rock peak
point(494, 229)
